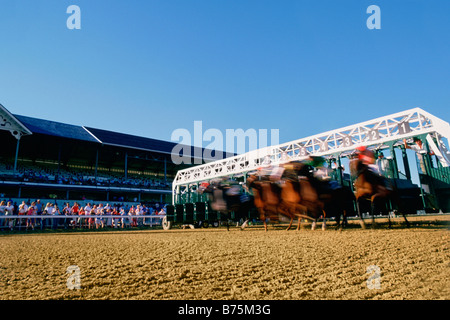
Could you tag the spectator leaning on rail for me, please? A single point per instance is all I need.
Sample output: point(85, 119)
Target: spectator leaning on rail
point(145, 212)
point(75, 209)
point(108, 212)
point(9, 211)
point(131, 214)
point(48, 210)
point(116, 220)
point(92, 212)
point(81, 219)
point(123, 213)
point(31, 212)
point(38, 207)
point(138, 213)
point(23, 209)
point(66, 211)
point(99, 220)
point(55, 221)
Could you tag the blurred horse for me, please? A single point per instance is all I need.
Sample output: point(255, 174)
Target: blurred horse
point(372, 187)
point(320, 195)
point(286, 195)
point(226, 199)
point(309, 205)
point(266, 198)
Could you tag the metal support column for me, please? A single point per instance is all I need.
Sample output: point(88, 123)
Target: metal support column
point(339, 170)
point(406, 163)
point(428, 168)
point(329, 163)
point(176, 195)
point(394, 162)
point(197, 196)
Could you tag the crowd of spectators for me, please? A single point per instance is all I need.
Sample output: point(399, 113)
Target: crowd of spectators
point(116, 215)
point(79, 177)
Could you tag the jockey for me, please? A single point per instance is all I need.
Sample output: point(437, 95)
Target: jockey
point(367, 157)
point(316, 167)
point(203, 186)
point(319, 177)
point(233, 188)
point(264, 172)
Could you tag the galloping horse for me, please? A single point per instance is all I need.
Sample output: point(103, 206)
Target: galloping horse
point(321, 196)
point(293, 197)
point(225, 199)
point(309, 205)
point(372, 187)
point(266, 198)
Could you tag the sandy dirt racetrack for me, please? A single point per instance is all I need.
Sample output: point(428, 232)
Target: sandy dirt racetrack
point(212, 263)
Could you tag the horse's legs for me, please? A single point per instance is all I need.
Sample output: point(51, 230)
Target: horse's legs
point(286, 210)
point(406, 220)
point(338, 221)
point(227, 213)
point(389, 220)
point(361, 220)
point(395, 211)
point(324, 223)
point(264, 219)
point(290, 224)
point(299, 223)
point(372, 208)
point(300, 210)
point(341, 224)
point(244, 224)
point(372, 211)
point(395, 199)
point(344, 219)
point(293, 216)
point(390, 211)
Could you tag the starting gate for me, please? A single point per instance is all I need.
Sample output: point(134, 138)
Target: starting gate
point(388, 132)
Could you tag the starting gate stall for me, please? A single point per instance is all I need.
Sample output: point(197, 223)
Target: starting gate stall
point(195, 211)
point(395, 133)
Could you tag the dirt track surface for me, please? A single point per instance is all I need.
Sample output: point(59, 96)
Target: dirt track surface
point(218, 264)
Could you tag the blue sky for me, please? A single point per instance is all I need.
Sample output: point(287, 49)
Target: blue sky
point(150, 67)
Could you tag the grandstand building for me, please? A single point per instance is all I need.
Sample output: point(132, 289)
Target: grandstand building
point(43, 159)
